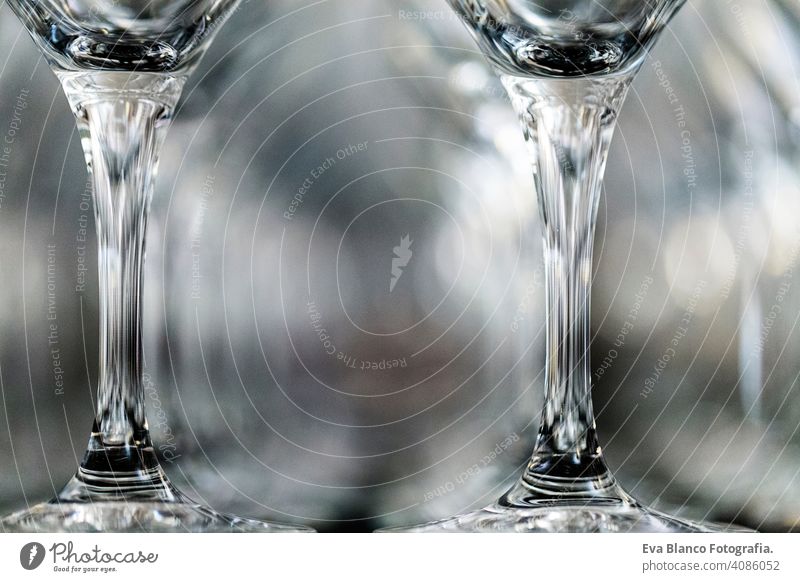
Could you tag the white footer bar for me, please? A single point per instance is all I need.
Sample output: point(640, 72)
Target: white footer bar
point(413, 557)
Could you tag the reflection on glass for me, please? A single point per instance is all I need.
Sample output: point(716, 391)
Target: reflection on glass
point(122, 65)
point(567, 67)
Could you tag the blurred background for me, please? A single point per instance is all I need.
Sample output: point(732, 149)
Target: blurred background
point(290, 375)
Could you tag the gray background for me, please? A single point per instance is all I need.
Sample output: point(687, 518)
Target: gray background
point(250, 412)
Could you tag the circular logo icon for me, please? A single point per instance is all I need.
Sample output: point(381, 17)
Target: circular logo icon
point(31, 555)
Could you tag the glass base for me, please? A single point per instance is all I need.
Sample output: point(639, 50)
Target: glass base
point(567, 495)
point(134, 517)
point(123, 489)
point(592, 517)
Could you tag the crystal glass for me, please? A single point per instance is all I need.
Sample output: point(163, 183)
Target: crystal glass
point(122, 65)
point(567, 67)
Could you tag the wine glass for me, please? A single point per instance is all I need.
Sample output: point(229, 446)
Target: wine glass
point(122, 65)
point(567, 67)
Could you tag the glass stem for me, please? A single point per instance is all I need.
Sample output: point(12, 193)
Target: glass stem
point(123, 119)
point(568, 127)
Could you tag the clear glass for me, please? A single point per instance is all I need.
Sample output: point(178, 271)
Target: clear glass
point(123, 35)
point(122, 65)
point(567, 67)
